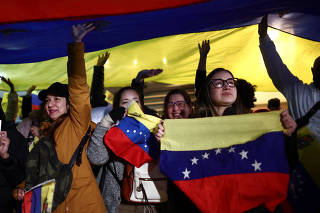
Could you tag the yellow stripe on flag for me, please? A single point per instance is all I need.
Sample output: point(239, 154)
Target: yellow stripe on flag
point(47, 192)
point(228, 131)
point(149, 121)
point(178, 55)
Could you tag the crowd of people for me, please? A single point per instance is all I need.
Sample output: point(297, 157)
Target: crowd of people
point(69, 110)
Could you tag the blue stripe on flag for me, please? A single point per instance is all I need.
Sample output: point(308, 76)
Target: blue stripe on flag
point(34, 41)
point(140, 135)
point(265, 154)
point(36, 200)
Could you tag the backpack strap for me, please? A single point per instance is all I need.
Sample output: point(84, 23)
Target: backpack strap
point(304, 120)
point(78, 152)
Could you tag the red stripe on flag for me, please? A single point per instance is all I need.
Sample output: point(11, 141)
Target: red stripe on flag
point(33, 10)
point(35, 107)
point(27, 202)
point(236, 193)
point(124, 148)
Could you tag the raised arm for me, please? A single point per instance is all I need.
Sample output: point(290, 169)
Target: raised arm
point(97, 96)
point(138, 82)
point(279, 73)
point(77, 81)
point(204, 49)
point(12, 108)
point(27, 102)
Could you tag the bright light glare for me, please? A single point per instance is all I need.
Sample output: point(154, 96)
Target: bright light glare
point(273, 34)
point(135, 61)
point(164, 61)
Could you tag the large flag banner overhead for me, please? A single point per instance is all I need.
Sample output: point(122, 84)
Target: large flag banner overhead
point(51, 9)
point(155, 34)
point(227, 164)
point(133, 137)
point(39, 198)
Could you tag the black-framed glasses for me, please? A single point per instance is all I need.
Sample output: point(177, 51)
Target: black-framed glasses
point(180, 104)
point(219, 83)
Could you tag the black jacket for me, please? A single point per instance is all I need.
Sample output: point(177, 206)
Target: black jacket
point(12, 168)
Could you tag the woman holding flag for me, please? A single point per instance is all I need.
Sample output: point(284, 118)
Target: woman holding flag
point(220, 93)
point(112, 171)
point(217, 98)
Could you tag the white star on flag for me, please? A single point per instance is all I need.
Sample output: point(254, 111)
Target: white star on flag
point(128, 130)
point(140, 133)
point(134, 131)
point(205, 156)
point(194, 160)
point(231, 149)
point(186, 173)
point(218, 151)
point(243, 154)
point(256, 165)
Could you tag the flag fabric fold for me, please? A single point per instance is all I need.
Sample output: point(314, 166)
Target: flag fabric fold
point(133, 137)
point(39, 198)
point(227, 177)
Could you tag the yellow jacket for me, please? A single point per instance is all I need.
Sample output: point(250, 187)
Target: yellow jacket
point(84, 195)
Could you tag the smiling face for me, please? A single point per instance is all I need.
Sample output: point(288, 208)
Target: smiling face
point(177, 107)
point(127, 96)
point(224, 96)
point(56, 106)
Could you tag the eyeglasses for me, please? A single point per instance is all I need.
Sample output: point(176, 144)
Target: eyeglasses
point(219, 83)
point(180, 104)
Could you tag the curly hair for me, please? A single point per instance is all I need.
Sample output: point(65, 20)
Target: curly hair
point(246, 96)
point(173, 92)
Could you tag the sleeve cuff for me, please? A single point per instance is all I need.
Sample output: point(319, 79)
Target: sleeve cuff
point(8, 161)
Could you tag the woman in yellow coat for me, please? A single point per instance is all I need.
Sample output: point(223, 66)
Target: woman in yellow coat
point(69, 108)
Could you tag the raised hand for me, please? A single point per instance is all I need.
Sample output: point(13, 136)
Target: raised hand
point(204, 48)
point(80, 31)
point(31, 89)
point(117, 114)
point(8, 82)
point(288, 123)
point(263, 26)
point(147, 73)
point(4, 145)
point(102, 59)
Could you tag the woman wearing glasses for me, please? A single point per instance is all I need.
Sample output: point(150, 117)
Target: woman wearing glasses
point(177, 104)
point(217, 95)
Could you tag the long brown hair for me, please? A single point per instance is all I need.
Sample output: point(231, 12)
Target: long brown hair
point(117, 96)
point(204, 106)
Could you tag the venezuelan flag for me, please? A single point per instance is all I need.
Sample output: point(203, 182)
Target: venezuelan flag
point(133, 137)
point(39, 198)
point(35, 101)
point(227, 164)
